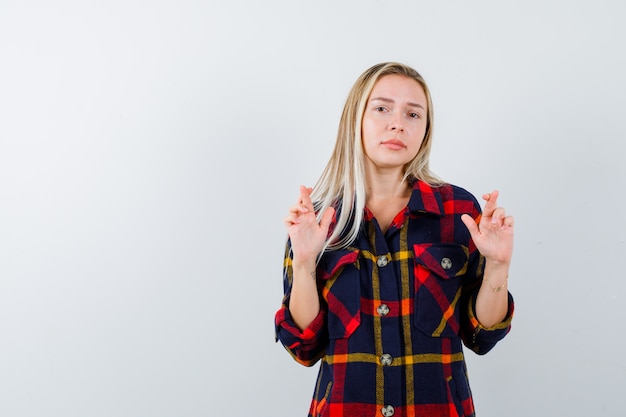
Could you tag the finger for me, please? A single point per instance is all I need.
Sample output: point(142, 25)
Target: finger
point(327, 219)
point(305, 198)
point(471, 225)
point(509, 221)
point(290, 221)
point(491, 203)
point(298, 209)
point(293, 217)
point(498, 216)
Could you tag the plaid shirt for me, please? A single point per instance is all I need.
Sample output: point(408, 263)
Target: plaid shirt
point(395, 310)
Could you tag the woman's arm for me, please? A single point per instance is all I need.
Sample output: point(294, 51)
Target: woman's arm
point(307, 240)
point(304, 303)
point(492, 301)
point(493, 237)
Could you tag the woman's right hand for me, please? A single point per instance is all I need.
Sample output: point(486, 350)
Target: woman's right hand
point(306, 234)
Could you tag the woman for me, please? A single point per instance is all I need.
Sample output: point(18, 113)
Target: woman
point(389, 270)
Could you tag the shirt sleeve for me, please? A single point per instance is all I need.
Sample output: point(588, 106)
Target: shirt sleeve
point(308, 345)
point(482, 339)
point(305, 346)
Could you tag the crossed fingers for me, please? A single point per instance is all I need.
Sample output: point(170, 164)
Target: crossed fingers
point(302, 207)
point(493, 214)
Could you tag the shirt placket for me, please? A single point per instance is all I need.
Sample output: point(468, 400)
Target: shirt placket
point(387, 321)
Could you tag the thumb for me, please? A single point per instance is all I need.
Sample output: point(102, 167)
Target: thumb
point(327, 218)
point(470, 224)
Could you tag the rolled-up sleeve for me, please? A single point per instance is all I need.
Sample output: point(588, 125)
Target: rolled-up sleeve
point(306, 346)
point(482, 339)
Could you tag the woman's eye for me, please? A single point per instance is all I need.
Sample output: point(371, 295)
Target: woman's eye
point(380, 108)
point(414, 115)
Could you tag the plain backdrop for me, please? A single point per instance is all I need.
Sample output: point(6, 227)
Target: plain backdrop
point(149, 151)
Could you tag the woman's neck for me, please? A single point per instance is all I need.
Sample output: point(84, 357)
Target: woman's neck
point(387, 196)
point(386, 185)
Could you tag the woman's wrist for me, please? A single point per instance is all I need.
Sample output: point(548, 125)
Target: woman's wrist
point(301, 268)
point(496, 275)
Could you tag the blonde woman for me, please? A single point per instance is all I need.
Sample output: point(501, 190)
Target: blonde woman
point(389, 270)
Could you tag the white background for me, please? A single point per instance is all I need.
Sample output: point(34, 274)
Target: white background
point(149, 151)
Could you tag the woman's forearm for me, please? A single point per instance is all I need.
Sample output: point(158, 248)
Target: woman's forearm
point(304, 303)
point(492, 302)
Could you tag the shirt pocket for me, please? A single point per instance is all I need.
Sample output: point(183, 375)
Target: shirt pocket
point(341, 291)
point(438, 275)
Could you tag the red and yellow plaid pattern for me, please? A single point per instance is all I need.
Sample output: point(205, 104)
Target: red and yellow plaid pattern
point(396, 309)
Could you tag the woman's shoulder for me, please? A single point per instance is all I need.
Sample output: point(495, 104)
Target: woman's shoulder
point(461, 193)
point(456, 199)
point(450, 192)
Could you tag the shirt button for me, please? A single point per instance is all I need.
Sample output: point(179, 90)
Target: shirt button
point(446, 263)
point(382, 261)
point(386, 359)
point(387, 411)
point(382, 310)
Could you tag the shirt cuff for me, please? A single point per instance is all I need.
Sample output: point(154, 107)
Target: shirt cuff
point(305, 346)
point(485, 338)
point(285, 322)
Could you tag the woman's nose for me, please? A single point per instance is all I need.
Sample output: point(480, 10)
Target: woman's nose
point(396, 124)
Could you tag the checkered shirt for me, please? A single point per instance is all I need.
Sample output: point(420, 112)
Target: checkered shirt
point(396, 308)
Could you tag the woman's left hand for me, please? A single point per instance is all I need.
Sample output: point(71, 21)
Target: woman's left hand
point(493, 235)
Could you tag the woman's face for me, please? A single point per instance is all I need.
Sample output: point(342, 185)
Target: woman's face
point(394, 122)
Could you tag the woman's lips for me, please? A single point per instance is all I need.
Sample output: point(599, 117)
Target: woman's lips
point(393, 144)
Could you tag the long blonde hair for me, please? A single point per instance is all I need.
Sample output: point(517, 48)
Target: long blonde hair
point(342, 183)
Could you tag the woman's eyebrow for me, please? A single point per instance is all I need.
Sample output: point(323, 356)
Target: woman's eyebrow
point(388, 100)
